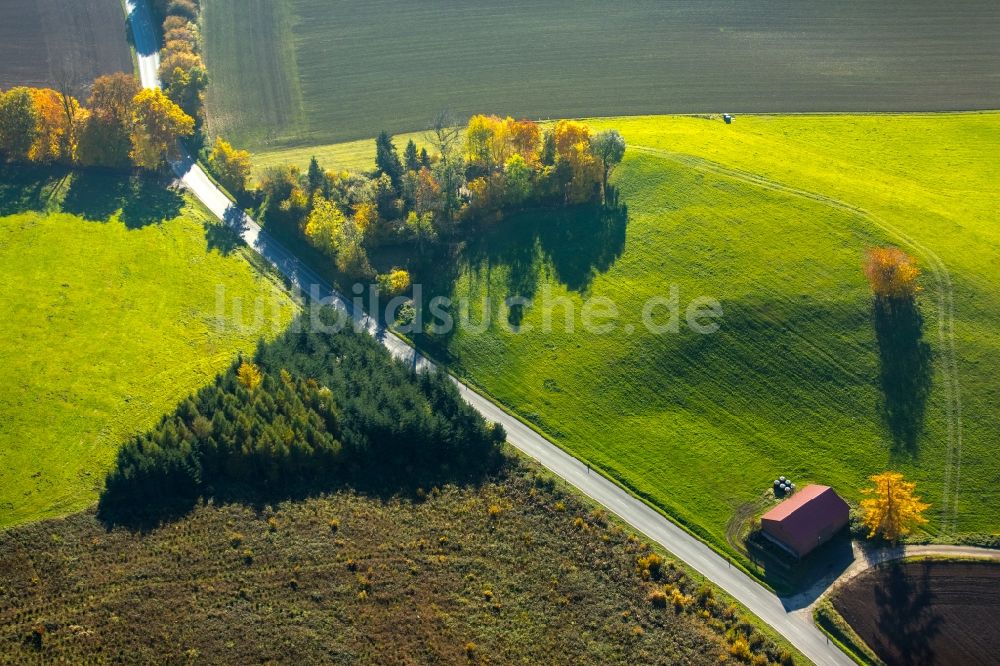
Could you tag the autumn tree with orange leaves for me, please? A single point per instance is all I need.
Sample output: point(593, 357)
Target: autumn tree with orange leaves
point(58, 118)
point(892, 509)
point(584, 172)
point(106, 137)
point(892, 274)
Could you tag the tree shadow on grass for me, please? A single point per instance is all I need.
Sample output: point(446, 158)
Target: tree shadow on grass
point(573, 244)
point(150, 201)
point(585, 242)
point(225, 237)
point(25, 188)
point(97, 194)
point(906, 621)
point(905, 369)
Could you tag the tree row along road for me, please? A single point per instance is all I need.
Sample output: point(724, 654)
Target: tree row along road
point(794, 624)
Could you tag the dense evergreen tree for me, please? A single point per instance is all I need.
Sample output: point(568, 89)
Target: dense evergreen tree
point(314, 176)
point(410, 159)
point(387, 159)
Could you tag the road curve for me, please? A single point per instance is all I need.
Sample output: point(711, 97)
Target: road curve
point(794, 625)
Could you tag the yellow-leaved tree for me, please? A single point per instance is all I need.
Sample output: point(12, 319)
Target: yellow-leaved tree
point(892, 510)
point(157, 125)
point(249, 375)
point(891, 273)
point(572, 143)
point(395, 282)
point(231, 166)
point(325, 225)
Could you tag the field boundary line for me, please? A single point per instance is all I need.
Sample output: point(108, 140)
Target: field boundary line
point(945, 298)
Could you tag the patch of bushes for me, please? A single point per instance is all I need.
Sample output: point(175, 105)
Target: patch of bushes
point(502, 165)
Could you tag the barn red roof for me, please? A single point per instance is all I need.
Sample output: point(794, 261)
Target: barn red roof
point(806, 519)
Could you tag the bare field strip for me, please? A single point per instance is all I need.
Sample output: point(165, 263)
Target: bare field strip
point(45, 41)
point(301, 72)
point(926, 612)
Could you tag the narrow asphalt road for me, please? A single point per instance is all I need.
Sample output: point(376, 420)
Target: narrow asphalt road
point(794, 624)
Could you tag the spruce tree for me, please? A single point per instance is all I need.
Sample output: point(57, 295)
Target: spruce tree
point(410, 158)
point(387, 159)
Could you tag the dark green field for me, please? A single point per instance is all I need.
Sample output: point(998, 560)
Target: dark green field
point(293, 72)
point(45, 42)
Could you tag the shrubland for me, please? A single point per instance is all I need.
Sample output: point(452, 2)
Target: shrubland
point(509, 569)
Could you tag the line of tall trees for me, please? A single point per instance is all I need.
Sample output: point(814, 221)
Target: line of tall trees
point(311, 410)
point(183, 74)
point(120, 125)
point(483, 171)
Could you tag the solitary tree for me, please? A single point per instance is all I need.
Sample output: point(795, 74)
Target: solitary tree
point(892, 509)
point(609, 147)
point(387, 159)
point(891, 274)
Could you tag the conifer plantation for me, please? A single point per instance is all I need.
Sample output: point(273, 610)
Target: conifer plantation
point(314, 409)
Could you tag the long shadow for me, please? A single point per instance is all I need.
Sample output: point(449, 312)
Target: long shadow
point(905, 369)
point(97, 194)
point(25, 188)
point(150, 201)
point(582, 243)
point(574, 245)
point(225, 237)
point(905, 617)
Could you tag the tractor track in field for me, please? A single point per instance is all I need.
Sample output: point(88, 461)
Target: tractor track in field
point(945, 298)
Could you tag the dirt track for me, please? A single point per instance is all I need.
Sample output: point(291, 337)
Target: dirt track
point(929, 612)
point(45, 41)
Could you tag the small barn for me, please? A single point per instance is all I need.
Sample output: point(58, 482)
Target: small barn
point(805, 520)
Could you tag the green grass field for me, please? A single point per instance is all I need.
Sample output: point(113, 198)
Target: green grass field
point(109, 292)
point(771, 216)
point(299, 72)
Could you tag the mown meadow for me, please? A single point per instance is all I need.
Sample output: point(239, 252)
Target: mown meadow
point(109, 287)
point(771, 216)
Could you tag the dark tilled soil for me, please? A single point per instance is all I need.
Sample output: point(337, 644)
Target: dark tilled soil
point(927, 612)
point(44, 42)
